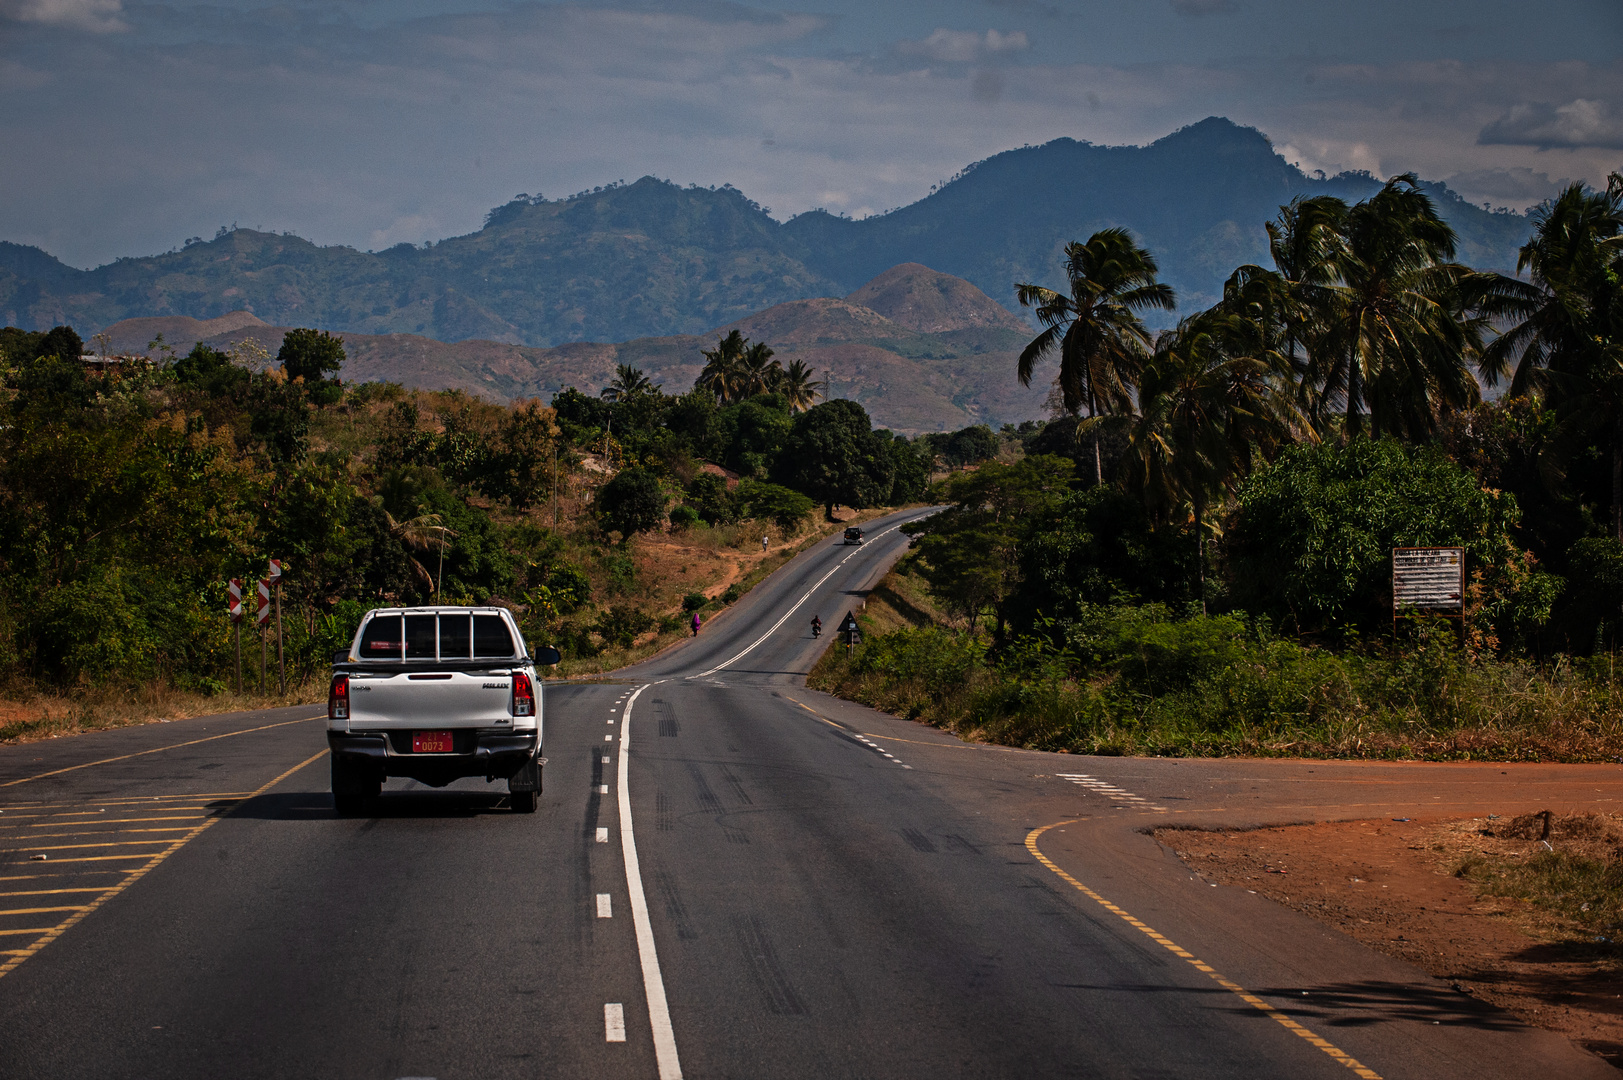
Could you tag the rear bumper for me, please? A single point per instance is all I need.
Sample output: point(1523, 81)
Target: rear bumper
point(493, 755)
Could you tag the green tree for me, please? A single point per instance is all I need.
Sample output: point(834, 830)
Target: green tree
point(834, 455)
point(971, 553)
point(632, 502)
point(772, 502)
point(723, 374)
point(910, 468)
point(1096, 329)
point(628, 382)
point(1311, 543)
point(1565, 340)
point(1394, 334)
point(758, 373)
point(798, 386)
point(316, 357)
point(1212, 401)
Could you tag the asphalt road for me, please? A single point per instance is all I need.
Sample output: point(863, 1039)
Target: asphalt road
point(746, 878)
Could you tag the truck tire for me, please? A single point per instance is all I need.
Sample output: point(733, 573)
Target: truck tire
point(351, 788)
point(523, 802)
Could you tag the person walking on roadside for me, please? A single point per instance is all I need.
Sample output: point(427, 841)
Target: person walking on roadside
point(695, 624)
point(763, 544)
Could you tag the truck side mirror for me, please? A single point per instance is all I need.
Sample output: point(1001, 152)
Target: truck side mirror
point(340, 656)
point(548, 655)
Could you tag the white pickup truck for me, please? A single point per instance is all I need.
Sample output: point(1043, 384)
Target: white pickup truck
point(436, 694)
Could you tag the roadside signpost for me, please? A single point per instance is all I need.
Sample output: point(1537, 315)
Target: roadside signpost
point(850, 632)
point(261, 617)
point(275, 579)
point(1429, 581)
point(234, 607)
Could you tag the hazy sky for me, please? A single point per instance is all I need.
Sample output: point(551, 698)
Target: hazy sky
point(129, 127)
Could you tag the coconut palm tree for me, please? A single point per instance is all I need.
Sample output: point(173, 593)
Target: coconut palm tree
point(1393, 334)
point(1565, 337)
point(797, 385)
point(722, 374)
point(758, 372)
point(1101, 341)
point(628, 383)
point(1212, 400)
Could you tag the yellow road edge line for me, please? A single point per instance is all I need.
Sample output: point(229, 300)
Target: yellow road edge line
point(159, 749)
point(63, 927)
point(1363, 1071)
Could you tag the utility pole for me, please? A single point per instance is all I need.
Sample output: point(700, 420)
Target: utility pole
point(828, 383)
point(555, 482)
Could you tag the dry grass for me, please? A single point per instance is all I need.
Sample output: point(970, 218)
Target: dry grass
point(31, 716)
point(1568, 869)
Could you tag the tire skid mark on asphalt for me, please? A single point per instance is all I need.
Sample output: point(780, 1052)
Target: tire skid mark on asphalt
point(47, 934)
point(158, 749)
point(1278, 1017)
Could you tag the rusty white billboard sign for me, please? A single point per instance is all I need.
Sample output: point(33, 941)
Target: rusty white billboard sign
point(1428, 579)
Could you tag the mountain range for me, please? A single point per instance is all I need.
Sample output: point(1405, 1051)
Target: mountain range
point(651, 259)
point(921, 350)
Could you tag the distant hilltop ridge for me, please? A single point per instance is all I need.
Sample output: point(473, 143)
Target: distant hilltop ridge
point(653, 259)
point(926, 352)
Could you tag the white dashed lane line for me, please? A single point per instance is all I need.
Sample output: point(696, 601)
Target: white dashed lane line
point(1112, 792)
point(614, 1022)
point(876, 748)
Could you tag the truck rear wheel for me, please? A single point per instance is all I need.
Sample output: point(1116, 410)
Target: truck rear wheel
point(351, 787)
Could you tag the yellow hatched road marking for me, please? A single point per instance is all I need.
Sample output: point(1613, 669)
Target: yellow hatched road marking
point(50, 934)
point(84, 847)
point(157, 750)
point(52, 892)
point(11, 933)
point(105, 832)
point(96, 819)
point(111, 858)
point(1236, 989)
point(129, 803)
point(37, 910)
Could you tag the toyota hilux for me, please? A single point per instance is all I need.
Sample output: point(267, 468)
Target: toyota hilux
point(436, 694)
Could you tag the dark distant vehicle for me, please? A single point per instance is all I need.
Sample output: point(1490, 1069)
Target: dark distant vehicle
point(853, 535)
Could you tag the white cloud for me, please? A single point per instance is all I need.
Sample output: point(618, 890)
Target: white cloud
point(101, 16)
point(1516, 188)
point(1578, 123)
point(964, 46)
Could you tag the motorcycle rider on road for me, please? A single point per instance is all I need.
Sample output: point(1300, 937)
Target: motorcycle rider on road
point(817, 626)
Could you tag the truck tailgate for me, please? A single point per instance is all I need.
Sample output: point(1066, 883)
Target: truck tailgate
point(429, 699)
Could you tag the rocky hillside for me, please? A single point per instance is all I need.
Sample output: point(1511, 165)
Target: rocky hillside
point(650, 258)
point(909, 379)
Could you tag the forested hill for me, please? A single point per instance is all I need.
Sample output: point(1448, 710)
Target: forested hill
point(652, 259)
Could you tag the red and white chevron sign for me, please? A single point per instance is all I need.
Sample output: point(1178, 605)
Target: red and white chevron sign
point(275, 571)
point(263, 612)
point(234, 605)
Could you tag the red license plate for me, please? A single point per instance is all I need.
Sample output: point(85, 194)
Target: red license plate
point(431, 742)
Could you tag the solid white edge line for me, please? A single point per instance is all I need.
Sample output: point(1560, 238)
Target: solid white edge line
point(653, 985)
point(794, 609)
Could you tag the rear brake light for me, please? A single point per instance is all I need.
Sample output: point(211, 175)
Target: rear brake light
point(338, 698)
point(523, 695)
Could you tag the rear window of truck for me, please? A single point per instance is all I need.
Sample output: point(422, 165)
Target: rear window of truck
point(459, 637)
point(382, 638)
point(491, 636)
